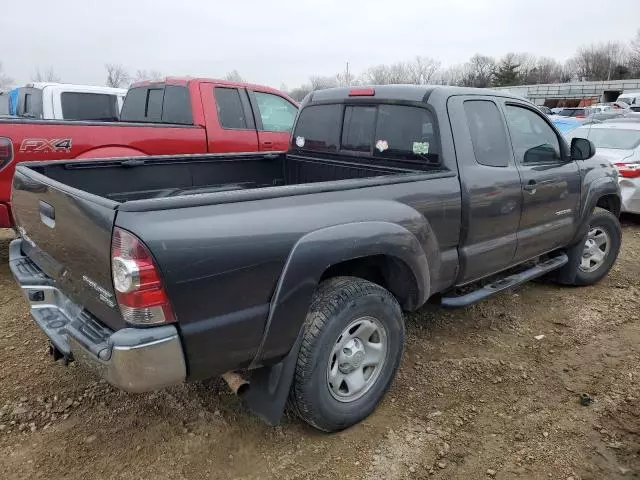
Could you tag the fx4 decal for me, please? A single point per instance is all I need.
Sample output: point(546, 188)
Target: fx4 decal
point(45, 145)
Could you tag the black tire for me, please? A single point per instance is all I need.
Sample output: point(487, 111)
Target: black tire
point(607, 221)
point(337, 303)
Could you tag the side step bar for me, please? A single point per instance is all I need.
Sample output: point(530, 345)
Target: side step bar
point(507, 282)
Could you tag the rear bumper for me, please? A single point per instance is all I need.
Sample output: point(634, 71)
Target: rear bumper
point(133, 359)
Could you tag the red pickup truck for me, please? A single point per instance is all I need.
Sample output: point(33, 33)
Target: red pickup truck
point(178, 115)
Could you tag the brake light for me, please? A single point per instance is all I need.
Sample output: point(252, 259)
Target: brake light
point(139, 290)
point(628, 170)
point(362, 92)
point(6, 151)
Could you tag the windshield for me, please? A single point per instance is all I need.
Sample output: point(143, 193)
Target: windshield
point(609, 137)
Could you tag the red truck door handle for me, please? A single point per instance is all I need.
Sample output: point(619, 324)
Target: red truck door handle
point(267, 144)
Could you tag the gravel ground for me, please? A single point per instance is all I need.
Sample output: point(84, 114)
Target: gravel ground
point(480, 394)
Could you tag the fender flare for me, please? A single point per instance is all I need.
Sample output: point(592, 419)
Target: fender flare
point(313, 254)
point(599, 188)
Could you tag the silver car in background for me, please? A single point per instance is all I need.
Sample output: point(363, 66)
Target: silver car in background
point(618, 142)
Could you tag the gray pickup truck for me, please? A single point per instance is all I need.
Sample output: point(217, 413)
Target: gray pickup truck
point(288, 273)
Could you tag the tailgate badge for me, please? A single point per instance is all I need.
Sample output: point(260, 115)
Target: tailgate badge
point(104, 296)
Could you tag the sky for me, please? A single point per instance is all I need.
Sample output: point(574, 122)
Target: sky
point(277, 42)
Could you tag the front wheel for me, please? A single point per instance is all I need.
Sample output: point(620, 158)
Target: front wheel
point(352, 346)
point(600, 248)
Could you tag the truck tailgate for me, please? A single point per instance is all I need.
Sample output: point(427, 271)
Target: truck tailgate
point(67, 233)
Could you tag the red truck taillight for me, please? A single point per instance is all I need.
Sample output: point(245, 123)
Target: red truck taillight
point(139, 290)
point(628, 170)
point(6, 151)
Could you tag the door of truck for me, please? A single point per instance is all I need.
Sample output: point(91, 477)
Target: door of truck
point(274, 117)
point(550, 181)
point(491, 190)
point(229, 120)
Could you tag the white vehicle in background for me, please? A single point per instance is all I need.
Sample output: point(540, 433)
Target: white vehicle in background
point(62, 101)
point(630, 98)
point(618, 142)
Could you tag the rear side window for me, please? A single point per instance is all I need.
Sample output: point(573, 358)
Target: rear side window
point(135, 103)
point(28, 106)
point(405, 133)
point(488, 135)
point(318, 128)
point(230, 111)
point(153, 111)
point(176, 107)
point(359, 128)
point(88, 106)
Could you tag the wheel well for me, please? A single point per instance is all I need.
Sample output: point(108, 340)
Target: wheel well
point(611, 203)
point(387, 271)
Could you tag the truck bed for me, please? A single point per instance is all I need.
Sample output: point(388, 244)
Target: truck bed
point(124, 180)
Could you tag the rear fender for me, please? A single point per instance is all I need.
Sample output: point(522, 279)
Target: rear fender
point(313, 254)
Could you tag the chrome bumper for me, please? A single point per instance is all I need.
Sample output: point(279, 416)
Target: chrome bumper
point(133, 359)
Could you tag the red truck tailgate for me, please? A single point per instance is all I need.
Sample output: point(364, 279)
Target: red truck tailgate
point(67, 233)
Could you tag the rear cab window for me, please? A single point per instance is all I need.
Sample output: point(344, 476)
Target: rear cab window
point(382, 132)
point(158, 103)
point(89, 106)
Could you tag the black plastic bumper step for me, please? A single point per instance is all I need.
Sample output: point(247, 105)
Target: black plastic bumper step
point(506, 282)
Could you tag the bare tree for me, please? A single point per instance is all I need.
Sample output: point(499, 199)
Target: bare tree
point(452, 75)
point(234, 76)
point(319, 82)
point(598, 62)
point(49, 75)
point(299, 93)
point(634, 54)
point(142, 75)
point(117, 76)
point(5, 80)
point(346, 78)
point(478, 71)
point(422, 70)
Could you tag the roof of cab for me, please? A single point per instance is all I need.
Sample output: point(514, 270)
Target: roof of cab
point(184, 81)
point(411, 93)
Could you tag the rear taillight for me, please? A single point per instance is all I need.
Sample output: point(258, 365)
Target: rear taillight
point(628, 170)
point(139, 291)
point(6, 151)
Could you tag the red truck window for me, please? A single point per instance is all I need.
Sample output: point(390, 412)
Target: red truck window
point(159, 103)
point(276, 113)
point(230, 111)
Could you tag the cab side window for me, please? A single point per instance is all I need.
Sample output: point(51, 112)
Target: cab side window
point(534, 141)
point(488, 135)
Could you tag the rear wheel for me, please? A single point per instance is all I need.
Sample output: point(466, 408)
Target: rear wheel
point(352, 346)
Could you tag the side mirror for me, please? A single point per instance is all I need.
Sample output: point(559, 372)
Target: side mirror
point(582, 149)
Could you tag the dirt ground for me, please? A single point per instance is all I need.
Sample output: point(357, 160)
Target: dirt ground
point(477, 396)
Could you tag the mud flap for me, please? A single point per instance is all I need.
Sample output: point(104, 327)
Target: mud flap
point(567, 274)
point(270, 385)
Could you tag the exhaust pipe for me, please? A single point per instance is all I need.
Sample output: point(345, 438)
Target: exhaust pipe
point(237, 384)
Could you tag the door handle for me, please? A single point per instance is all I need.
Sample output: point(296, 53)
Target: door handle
point(267, 144)
point(530, 187)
